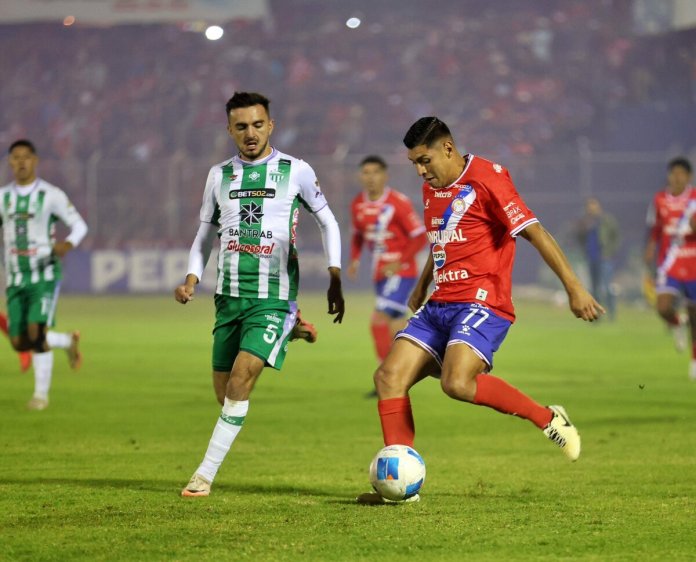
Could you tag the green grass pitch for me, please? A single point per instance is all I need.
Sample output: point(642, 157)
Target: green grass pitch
point(97, 476)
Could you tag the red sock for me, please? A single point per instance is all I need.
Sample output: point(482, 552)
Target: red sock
point(381, 336)
point(3, 324)
point(503, 397)
point(397, 421)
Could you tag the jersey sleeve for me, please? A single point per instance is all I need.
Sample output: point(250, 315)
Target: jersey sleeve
point(507, 205)
point(64, 209)
point(310, 194)
point(210, 210)
point(409, 219)
point(653, 222)
point(356, 239)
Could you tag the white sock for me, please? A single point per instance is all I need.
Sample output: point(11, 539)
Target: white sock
point(57, 340)
point(227, 428)
point(43, 369)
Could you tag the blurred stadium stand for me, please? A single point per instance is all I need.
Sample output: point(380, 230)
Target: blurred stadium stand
point(575, 97)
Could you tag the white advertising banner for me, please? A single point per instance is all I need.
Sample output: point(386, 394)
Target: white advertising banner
point(131, 11)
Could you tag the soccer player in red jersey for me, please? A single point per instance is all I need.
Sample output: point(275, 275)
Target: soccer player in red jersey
point(385, 221)
point(671, 252)
point(24, 356)
point(473, 214)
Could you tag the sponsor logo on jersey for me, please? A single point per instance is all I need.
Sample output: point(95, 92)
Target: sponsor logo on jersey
point(254, 176)
point(439, 256)
point(248, 193)
point(450, 276)
point(442, 194)
point(437, 221)
point(293, 228)
point(481, 294)
point(261, 250)
point(446, 236)
point(250, 233)
point(22, 216)
point(250, 213)
point(28, 252)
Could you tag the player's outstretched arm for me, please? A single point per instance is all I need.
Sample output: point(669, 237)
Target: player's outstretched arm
point(420, 291)
point(331, 240)
point(581, 302)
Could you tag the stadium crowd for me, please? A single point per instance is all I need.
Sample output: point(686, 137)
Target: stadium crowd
point(516, 79)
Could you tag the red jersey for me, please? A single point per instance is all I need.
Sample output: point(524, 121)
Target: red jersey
point(668, 220)
point(471, 226)
point(391, 229)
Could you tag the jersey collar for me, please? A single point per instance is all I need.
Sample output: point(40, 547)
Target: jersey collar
point(258, 162)
point(25, 190)
point(469, 160)
point(382, 198)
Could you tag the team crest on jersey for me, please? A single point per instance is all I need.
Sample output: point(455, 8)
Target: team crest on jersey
point(439, 256)
point(277, 176)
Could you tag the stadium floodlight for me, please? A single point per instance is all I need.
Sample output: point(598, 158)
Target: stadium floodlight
point(214, 32)
point(353, 23)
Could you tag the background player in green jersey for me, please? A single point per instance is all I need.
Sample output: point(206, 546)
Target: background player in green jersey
point(29, 209)
point(251, 203)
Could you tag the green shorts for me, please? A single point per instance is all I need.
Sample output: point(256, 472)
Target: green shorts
point(261, 327)
point(32, 304)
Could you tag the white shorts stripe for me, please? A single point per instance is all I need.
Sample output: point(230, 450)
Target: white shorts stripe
point(419, 343)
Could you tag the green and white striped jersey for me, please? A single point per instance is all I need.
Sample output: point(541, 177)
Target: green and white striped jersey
point(28, 215)
point(256, 207)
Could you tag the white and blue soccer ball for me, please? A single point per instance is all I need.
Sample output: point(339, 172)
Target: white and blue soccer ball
point(397, 472)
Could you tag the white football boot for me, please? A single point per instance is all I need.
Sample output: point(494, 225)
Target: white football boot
point(563, 433)
point(197, 487)
point(37, 404)
point(679, 332)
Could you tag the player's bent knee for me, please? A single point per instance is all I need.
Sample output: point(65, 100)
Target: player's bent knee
point(459, 388)
point(387, 381)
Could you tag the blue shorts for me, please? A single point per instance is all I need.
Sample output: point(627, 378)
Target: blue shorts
point(392, 295)
point(438, 325)
point(676, 287)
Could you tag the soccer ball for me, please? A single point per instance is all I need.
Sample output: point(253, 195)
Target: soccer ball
point(397, 472)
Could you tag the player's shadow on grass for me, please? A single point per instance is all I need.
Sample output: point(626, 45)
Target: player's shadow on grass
point(170, 486)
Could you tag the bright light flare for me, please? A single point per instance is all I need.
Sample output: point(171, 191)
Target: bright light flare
point(353, 23)
point(68, 21)
point(214, 32)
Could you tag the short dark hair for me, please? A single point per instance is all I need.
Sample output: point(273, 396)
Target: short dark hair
point(680, 162)
point(247, 99)
point(22, 142)
point(426, 131)
point(374, 159)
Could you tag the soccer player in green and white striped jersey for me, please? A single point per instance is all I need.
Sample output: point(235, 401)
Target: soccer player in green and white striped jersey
point(29, 209)
point(251, 203)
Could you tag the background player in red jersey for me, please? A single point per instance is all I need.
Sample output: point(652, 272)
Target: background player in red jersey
point(24, 356)
point(473, 214)
point(385, 221)
point(671, 253)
